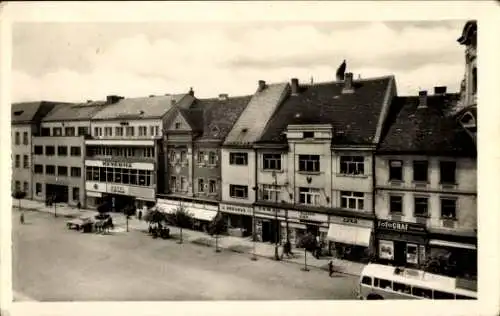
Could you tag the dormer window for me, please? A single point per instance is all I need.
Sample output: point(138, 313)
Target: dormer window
point(308, 135)
point(177, 125)
point(17, 113)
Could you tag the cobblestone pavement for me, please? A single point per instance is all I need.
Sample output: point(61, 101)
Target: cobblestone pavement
point(52, 263)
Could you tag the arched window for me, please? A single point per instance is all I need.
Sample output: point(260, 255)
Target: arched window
point(474, 80)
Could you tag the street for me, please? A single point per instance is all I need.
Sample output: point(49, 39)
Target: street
point(52, 263)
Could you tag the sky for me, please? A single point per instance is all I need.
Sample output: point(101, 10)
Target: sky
point(76, 62)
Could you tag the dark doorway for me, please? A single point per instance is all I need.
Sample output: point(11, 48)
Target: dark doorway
point(400, 253)
point(59, 193)
point(266, 231)
point(117, 202)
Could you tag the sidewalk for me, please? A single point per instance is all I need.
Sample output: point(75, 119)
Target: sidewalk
point(235, 244)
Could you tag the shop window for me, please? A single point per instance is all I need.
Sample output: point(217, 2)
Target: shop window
point(39, 169)
point(76, 151)
point(118, 175)
point(45, 131)
point(438, 295)
point(18, 138)
point(38, 150)
point(133, 176)
point(212, 186)
point(69, 131)
point(421, 292)
point(366, 280)
point(421, 254)
point(38, 188)
point(309, 196)
point(396, 170)
point(50, 169)
point(309, 163)
point(448, 208)
point(50, 150)
point(62, 150)
point(76, 194)
point(396, 204)
point(352, 165)
point(76, 172)
point(271, 193)
point(201, 185)
point(25, 187)
point(386, 249)
point(421, 206)
point(420, 170)
point(238, 191)
point(25, 138)
point(240, 159)
point(212, 158)
point(95, 174)
point(62, 171)
point(352, 200)
point(26, 163)
point(18, 161)
point(119, 131)
point(271, 161)
point(57, 131)
point(447, 172)
point(412, 253)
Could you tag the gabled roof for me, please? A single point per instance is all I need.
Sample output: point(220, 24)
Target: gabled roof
point(144, 107)
point(74, 112)
point(252, 122)
point(30, 112)
point(194, 117)
point(429, 130)
point(354, 116)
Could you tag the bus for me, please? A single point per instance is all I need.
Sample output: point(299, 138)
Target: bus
point(379, 282)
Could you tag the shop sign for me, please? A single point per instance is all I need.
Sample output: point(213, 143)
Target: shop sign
point(118, 189)
point(351, 221)
point(120, 164)
point(271, 211)
point(236, 209)
point(308, 216)
point(386, 249)
point(95, 186)
point(400, 226)
point(117, 164)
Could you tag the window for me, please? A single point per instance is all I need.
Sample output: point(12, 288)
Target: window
point(119, 131)
point(354, 165)
point(50, 169)
point(201, 185)
point(177, 125)
point(25, 138)
point(212, 186)
point(69, 131)
point(412, 253)
point(18, 161)
point(62, 171)
point(76, 172)
point(25, 187)
point(38, 150)
point(57, 131)
point(308, 135)
point(438, 295)
point(402, 288)
point(152, 130)
point(366, 280)
point(143, 131)
point(183, 156)
point(238, 191)
point(420, 292)
point(271, 161)
point(130, 131)
point(173, 184)
point(396, 204)
point(396, 170)
point(157, 131)
point(18, 139)
point(50, 150)
point(38, 188)
point(421, 206)
point(76, 194)
point(352, 200)
point(76, 151)
point(308, 196)
point(26, 163)
point(149, 152)
point(271, 192)
point(447, 171)
point(131, 152)
point(309, 163)
point(39, 169)
point(201, 157)
point(96, 131)
point(18, 186)
point(62, 150)
point(108, 131)
point(183, 184)
point(420, 170)
point(172, 156)
point(240, 159)
point(383, 284)
point(448, 208)
point(83, 131)
point(45, 131)
point(212, 158)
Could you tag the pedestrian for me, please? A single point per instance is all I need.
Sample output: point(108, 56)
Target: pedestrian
point(21, 218)
point(79, 206)
point(139, 215)
point(330, 268)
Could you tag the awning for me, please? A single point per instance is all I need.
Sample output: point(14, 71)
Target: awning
point(166, 208)
point(201, 214)
point(437, 242)
point(347, 234)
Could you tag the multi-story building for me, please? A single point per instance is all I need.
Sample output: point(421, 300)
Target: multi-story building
point(314, 169)
point(239, 158)
point(26, 118)
point(121, 161)
point(58, 153)
point(193, 142)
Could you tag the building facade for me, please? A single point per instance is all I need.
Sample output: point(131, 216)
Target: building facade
point(193, 142)
point(121, 157)
point(26, 118)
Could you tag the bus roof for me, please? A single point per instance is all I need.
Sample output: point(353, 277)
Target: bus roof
point(416, 277)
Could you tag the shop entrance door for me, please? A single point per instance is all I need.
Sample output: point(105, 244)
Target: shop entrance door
point(400, 253)
point(60, 192)
point(266, 231)
point(118, 202)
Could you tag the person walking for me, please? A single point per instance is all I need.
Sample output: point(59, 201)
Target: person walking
point(21, 218)
point(330, 268)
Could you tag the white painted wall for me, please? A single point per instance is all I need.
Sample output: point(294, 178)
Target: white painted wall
point(240, 175)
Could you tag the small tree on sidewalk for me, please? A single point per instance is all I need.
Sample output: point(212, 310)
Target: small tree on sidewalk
point(217, 227)
point(309, 243)
point(19, 195)
point(128, 211)
point(181, 218)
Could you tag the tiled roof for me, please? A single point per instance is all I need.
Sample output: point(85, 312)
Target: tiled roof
point(145, 107)
point(26, 112)
point(252, 122)
point(194, 118)
point(354, 116)
point(74, 112)
point(426, 130)
point(218, 116)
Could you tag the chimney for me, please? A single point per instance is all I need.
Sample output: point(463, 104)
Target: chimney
point(262, 85)
point(223, 97)
point(295, 86)
point(441, 90)
point(89, 101)
point(191, 92)
point(151, 95)
point(111, 99)
point(422, 99)
point(348, 86)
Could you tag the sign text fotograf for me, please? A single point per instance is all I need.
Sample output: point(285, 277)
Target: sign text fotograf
point(118, 164)
point(400, 227)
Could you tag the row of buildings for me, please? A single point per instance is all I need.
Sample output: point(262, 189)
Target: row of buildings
point(366, 170)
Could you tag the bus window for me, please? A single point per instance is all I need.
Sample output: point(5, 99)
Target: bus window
point(438, 295)
point(385, 284)
point(463, 297)
point(376, 282)
point(400, 287)
point(420, 292)
point(366, 280)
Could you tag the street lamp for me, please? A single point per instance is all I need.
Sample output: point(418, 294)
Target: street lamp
point(55, 203)
point(276, 254)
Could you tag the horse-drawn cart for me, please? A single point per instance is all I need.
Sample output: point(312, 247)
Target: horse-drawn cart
point(100, 223)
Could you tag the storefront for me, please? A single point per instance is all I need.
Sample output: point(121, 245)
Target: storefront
point(239, 219)
point(302, 222)
point(401, 243)
point(351, 238)
point(267, 223)
point(202, 213)
point(117, 197)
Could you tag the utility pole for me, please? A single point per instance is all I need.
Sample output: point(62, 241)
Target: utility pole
point(276, 254)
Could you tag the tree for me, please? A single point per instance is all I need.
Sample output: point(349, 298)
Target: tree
point(128, 211)
point(154, 216)
point(217, 227)
point(181, 218)
point(19, 195)
point(309, 243)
